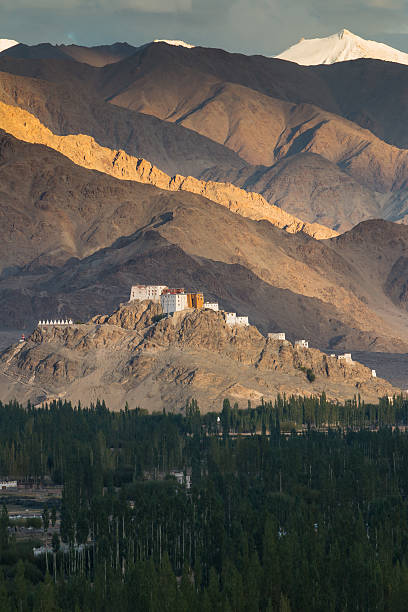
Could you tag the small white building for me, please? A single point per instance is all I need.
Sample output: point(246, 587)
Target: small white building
point(373, 373)
point(173, 302)
point(242, 321)
point(277, 335)
point(8, 484)
point(302, 343)
point(230, 318)
point(182, 478)
point(211, 306)
point(346, 358)
point(146, 292)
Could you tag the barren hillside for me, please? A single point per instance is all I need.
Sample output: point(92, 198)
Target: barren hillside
point(241, 112)
point(74, 240)
point(86, 152)
point(128, 357)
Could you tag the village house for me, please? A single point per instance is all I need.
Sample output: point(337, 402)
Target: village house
point(8, 484)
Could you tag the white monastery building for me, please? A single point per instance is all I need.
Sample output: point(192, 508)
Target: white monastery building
point(373, 373)
point(242, 321)
point(302, 343)
point(146, 292)
point(211, 306)
point(230, 318)
point(173, 302)
point(346, 357)
point(277, 335)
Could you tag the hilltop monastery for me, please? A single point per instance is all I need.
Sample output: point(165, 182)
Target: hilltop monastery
point(173, 300)
point(176, 299)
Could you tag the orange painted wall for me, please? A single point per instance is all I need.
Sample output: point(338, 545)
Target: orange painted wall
point(195, 300)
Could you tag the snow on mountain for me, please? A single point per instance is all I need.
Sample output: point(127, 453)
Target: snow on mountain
point(340, 47)
point(6, 44)
point(176, 43)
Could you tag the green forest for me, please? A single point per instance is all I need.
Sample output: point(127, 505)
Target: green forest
point(295, 505)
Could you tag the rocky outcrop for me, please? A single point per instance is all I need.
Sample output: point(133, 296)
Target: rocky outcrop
point(134, 355)
point(136, 315)
point(313, 189)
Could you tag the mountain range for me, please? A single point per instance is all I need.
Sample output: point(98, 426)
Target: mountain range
point(270, 120)
point(278, 189)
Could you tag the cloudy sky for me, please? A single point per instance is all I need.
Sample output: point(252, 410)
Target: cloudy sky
point(250, 26)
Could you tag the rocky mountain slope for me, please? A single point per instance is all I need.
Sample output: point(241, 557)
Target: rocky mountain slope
point(228, 117)
point(67, 107)
point(85, 151)
point(358, 90)
point(131, 357)
point(316, 190)
point(228, 111)
point(340, 47)
point(74, 240)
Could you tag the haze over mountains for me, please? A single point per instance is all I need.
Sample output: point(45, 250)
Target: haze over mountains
point(86, 127)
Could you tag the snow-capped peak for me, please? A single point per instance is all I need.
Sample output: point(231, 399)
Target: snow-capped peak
point(175, 43)
point(341, 47)
point(6, 44)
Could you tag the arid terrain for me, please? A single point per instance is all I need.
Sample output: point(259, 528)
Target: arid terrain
point(269, 186)
point(213, 114)
point(131, 356)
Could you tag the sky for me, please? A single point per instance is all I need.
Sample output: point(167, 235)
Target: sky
point(249, 26)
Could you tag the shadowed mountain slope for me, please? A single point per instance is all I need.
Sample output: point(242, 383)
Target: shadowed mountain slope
point(368, 92)
point(84, 151)
point(100, 55)
point(74, 240)
point(241, 113)
point(65, 108)
point(97, 56)
point(316, 190)
point(174, 149)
